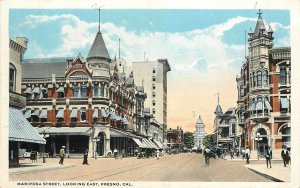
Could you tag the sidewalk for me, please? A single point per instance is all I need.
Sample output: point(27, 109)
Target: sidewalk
point(277, 173)
point(26, 166)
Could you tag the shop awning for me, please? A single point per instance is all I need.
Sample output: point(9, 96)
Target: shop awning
point(139, 143)
point(148, 143)
point(95, 113)
point(284, 103)
point(27, 113)
point(268, 105)
point(20, 130)
point(65, 130)
point(158, 143)
point(119, 133)
point(103, 113)
point(60, 90)
point(60, 113)
point(74, 113)
point(36, 90)
point(252, 107)
point(28, 90)
point(44, 90)
point(35, 112)
point(44, 113)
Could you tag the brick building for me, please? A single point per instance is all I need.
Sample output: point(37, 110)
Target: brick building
point(264, 91)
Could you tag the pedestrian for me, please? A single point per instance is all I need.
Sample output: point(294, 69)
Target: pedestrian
point(62, 155)
point(157, 154)
point(115, 153)
point(247, 154)
point(268, 156)
point(232, 154)
point(283, 155)
point(243, 154)
point(85, 157)
point(288, 157)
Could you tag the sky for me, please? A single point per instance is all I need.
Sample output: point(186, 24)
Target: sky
point(205, 48)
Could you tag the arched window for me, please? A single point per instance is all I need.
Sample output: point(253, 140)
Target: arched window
point(259, 78)
point(265, 78)
point(251, 80)
point(12, 77)
point(254, 79)
point(241, 91)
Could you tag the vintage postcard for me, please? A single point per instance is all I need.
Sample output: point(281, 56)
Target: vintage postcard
point(149, 93)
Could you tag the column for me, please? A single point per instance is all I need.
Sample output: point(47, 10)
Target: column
point(68, 145)
point(91, 146)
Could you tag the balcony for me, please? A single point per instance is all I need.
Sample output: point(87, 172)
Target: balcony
point(259, 88)
point(223, 125)
point(284, 86)
point(45, 101)
point(40, 80)
point(260, 117)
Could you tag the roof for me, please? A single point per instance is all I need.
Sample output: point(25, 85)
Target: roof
point(36, 69)
point(199, 121)
point(218, 110)
point(20, 130)
point(280, 49)
point(98, 48)
point(259, 25)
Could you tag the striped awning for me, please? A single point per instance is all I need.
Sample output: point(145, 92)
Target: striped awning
point(148, 143)
point(28, 90)
point(60, 90)
point(20, 130)
point(103, 113)
point(268, 105)
point(74, 113)
point(139, 143)
point(60, 113)
point(44, 113)
point(284, 103)
point(158, 143)
point(96, 113)
point(36, 90)
point(27, 113)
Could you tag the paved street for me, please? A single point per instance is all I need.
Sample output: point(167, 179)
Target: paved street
point(180, 167)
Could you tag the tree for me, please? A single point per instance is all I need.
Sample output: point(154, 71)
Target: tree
point(188, 140)
point(208, 141)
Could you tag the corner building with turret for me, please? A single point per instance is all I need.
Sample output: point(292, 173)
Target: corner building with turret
point(264, 91)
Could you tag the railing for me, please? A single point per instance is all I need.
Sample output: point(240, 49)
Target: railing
point(40, 80)
point(262, 87)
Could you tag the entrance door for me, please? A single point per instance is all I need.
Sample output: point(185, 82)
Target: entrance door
point(262, 143)
point(100, 144)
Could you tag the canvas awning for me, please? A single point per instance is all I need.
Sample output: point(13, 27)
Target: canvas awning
point(252, 107)
point(103, 113)
point(65, 130)
point(284, 103)
point(60, 90)
point(44, 90)
point(259, 105)
point(113, 116)
point(35, 112)
point(27, 113)
point(139, 143)
point(95, 113)
point(36, 90)
point(148, 143)
point(119, 133)
point(60, 113)
point(44, 113)
point(20, 130)
point(125, 121)
point(268, 105)
point(28, 90)
point(158, 143)
point(74, 113)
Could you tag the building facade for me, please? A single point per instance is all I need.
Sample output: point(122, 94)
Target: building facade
point(21, 133)
point(86, 103)
point(175, 138)
point(199, 134)
point(153, 76)
point(264, 92)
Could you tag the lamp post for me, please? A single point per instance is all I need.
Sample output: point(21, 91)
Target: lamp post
point(258, 138)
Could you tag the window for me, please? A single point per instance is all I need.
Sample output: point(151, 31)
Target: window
point(153, 79)
point(75, 91)
point(12, 78)
point(241, 91)
point(83, 91)
point(251, 80)
point(83, 114)
point(96, 90)
point(254, 80)
point(154, 70)
point(265, 78)
point(282, 76)
point(102, 90)
point(259, 78)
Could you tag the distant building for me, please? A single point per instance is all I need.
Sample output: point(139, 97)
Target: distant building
point(264, 91)
point(21, 133)
point(199, 134)
point(175, 138)
point(153, 76)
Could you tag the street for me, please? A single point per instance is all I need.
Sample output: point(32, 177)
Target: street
point(180, 167)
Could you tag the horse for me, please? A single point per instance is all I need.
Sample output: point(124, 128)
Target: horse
point(208, 155)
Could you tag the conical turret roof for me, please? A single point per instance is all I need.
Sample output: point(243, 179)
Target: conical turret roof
point(259, 25)
point(98, 49)
point(218, 110)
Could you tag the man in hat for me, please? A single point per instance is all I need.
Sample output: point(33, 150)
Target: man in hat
point(62, 155)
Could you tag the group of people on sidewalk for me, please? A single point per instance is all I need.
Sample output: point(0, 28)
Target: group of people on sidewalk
point(62, 156)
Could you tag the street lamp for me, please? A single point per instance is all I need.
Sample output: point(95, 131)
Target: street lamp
point(258, 138)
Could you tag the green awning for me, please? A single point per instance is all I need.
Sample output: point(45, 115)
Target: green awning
point(20, 130)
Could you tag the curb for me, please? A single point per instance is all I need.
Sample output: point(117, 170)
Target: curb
point(40, 169)
point(265, 175)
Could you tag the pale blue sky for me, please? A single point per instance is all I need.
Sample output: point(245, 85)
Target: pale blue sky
point(205, 48)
